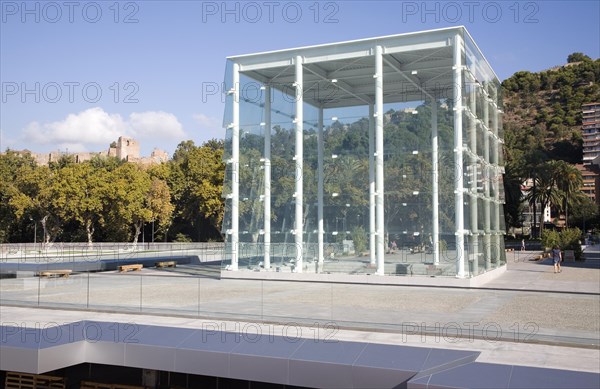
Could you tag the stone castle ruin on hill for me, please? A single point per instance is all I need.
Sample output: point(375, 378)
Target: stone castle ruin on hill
point(124, 148)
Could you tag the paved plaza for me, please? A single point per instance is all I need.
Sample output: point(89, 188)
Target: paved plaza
point(526, 316)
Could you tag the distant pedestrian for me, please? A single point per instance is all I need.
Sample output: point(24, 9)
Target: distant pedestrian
point(522, 244)
point(556, 258)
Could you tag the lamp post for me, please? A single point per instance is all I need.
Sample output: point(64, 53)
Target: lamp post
point(152, 230)
point(34, 230)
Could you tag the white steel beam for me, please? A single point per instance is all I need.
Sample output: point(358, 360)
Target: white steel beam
point(458, 159)
point(495, 158)
point(379, 183)
point(398, 68)
point(473, 198)
point(372, 206)
point(235, 168)
point(340, 83)
point(299, 119)
point(487, 183)
point(435, 184)
point(267, 196)
point(320, 187)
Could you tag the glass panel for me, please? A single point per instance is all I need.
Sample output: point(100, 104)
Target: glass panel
point(160, 292)
point(408, 165)
point(71, 291)
point(346, 183)
point(102, 293)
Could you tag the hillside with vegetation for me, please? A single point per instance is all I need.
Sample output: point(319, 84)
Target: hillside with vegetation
point(542, 125)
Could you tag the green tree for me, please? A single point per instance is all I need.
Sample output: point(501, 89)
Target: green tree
point(577, 57)
point(34, 199)
point(196, 184)
point(10, 163)
point(584, 213)
point(159, 201)
point(544, 191)
point(80, 194)
point(568, 182)
point(129, 198)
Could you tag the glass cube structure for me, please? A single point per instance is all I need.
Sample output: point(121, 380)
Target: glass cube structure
point(375, 156)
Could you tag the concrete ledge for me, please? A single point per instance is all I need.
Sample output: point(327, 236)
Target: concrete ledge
point(267, 358)
point(473, 282)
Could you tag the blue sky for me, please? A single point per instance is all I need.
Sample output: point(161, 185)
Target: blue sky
point(76, 75)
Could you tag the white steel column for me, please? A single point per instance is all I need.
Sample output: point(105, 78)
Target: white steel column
point(372, 225)
point(458, 159)
point(435, 228)
point(320, 187)
point(299, 164)
point(474, 249)
point(487, 182)
point(379, 158)
point(495, 150)
point(235, 168)
point(267, 198)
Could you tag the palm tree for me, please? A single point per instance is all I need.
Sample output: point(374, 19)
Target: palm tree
point(532, 164)
point(569, 182)
point(545, 191)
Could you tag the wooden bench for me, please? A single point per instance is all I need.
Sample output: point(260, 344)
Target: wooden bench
point(56, 273)
point(22, 381)
point(417, 250)
point(166, 264)
point(126, 268)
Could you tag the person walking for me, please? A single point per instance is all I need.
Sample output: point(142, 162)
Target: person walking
point(556, 258)
point(522, 244)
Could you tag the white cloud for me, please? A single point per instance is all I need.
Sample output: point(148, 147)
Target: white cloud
point(155, 124)
point(210, 127)
point(95, 127)
point(5, 141)
point(73, 147)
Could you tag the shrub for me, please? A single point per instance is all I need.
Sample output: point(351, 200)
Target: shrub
point(567, 239)
point(570, 239)
point(359, 237)
point(182, 238)
point(550, 238)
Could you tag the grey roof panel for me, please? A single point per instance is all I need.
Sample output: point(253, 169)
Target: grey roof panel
point(214, 341)
point(19, 337)
point(107, 353)
point(530, 377)
point(261, 369)
point(472, 375)
point(440, 358)
point(373, 377)
point(204, 362)
point(279, 360)
point(18, 358)
point(144, 356)
point(393, 357)
point(161, 336)
point(264, 345)
point(320, 374)
point(263, 358)
point(419, 382)
point(61, 335)
point(115, 332)
point(60, 356)
point(337, 352)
